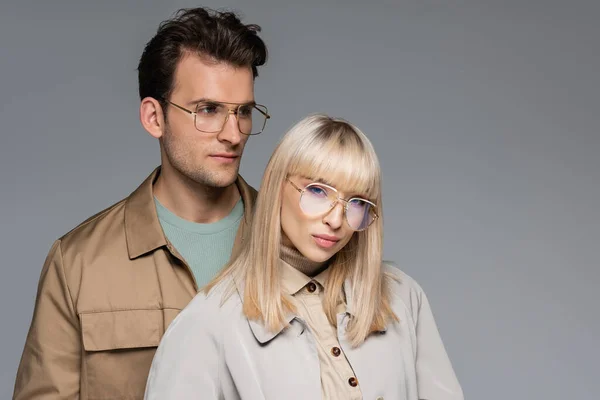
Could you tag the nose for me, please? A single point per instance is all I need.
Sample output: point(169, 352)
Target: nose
point(231, 130)
point(335, 217)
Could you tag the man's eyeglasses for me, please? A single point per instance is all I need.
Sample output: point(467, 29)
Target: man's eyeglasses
point(318, 199)
point(211, 116)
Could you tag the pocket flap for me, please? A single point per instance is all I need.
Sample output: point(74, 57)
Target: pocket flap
point(125, 329)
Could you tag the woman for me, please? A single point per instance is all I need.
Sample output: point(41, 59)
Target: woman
point(308, 310)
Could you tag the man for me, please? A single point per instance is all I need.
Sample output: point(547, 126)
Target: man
point(111, 286)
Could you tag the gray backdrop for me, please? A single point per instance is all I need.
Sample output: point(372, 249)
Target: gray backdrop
point(484, 115)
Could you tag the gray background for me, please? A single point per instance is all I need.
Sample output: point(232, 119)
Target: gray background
point(484, 114)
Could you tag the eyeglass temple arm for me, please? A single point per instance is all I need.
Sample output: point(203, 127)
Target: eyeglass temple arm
point(182, 108)
point(294, 185)
point(267, 116)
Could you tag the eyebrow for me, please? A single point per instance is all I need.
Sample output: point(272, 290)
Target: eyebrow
point(315, 180)
point(211, 101)
point(326, 182)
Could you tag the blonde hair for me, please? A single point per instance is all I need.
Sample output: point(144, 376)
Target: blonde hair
point(330, 150)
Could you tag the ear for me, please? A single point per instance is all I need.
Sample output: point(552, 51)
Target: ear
point(152, 117)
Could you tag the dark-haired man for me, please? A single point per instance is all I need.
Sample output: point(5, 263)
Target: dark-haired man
point(110, 287)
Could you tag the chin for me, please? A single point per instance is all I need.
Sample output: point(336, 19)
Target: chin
point(319, 255)
point(219, 180)
point(223, 183)
point(227, 177)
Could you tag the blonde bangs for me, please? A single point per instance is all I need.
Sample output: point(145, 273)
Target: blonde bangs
point(337, 153)
point(338, 156)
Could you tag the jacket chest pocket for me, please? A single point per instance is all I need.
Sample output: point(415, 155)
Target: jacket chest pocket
point(118, 351)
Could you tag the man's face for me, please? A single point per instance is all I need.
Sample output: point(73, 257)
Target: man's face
point(209, 159)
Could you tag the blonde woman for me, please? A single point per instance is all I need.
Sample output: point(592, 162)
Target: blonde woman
point(308, 310)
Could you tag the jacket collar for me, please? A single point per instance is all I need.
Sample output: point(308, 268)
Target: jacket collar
point(143, 231)
point(292, 282)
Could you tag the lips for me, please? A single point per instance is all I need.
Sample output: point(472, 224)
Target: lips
point(325, 241)
point(225, 155)
point(225, 158)
point(327, 237)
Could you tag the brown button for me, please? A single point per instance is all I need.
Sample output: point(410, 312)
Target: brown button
point(353, 382)
point(335, 351)
point(311, 287)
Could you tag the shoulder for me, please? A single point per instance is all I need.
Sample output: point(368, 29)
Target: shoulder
point(405, 291)
point(200, 330)
point(91, 236)
point(112, 216)
point(207, 314)
point(401, 280)
point(94, 252)
point(97, 243)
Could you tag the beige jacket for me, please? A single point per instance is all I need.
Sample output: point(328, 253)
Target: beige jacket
point(214, 352)
point(107, 292)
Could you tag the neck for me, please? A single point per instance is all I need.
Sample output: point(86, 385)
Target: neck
point(193, 201)
point(294, 258)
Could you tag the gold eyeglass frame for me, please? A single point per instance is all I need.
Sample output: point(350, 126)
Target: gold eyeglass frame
point(338, 199)
point(230, 111)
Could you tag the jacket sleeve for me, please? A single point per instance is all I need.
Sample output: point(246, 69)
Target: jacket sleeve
point(51, 359)
point(436, 379)
point(188, 360)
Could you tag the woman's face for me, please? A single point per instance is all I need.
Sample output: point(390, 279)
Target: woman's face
point(319, 237)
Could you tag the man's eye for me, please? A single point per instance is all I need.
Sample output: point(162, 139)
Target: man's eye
point(207, 109)
point(245, 111)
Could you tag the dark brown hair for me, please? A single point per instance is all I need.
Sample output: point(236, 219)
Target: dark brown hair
point(218, 35)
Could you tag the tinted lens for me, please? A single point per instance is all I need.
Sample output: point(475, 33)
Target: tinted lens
point(359, 213)
point(210, 117)
point(250, 120)
point(317, 199)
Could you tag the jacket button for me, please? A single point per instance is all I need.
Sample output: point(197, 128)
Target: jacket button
point(311, 287)
point(335, 351)
point(353, 382)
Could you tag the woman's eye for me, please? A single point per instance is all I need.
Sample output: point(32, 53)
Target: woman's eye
point(317, 191)
point(357, 203)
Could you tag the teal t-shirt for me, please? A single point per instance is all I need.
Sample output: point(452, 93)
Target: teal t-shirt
point(205, 247)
